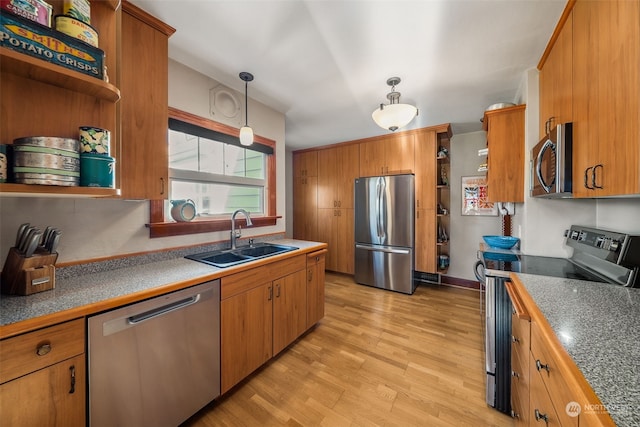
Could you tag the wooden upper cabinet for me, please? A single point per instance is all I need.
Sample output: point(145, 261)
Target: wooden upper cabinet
point(556, 79)
point(144, 164)
point(337, 171)
point(606, 90)
point(505, 140)
point(388, 155)
point(305, 164)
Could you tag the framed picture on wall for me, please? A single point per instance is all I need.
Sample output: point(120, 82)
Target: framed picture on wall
point(474, 197)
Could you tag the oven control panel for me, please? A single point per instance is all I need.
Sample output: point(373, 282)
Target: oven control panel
point(607, 245)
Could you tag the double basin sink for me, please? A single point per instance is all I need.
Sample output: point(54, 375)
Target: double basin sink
point(229, 257)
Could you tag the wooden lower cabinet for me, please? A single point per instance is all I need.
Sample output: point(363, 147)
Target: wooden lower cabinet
point(315, 286)
point(425, 232)
point(542, 410)
point(520, 344)
point(43, 377)
point(54, 396)
point(246, 322)
point(289, 309)
point(262, 311)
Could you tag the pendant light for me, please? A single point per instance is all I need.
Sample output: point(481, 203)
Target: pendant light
point(246, 133)
point(394, 115)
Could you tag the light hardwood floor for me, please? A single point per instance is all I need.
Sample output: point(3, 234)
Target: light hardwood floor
point(378, 358)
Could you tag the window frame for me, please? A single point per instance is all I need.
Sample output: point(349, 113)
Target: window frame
point(158, 227)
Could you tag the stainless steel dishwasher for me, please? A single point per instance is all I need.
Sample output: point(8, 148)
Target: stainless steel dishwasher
point(156, 362)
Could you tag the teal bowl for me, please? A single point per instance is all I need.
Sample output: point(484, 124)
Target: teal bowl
point(97, 170)
point(501, 242)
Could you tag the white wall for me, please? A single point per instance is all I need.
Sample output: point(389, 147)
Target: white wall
point(95, 228)
point(466, 231)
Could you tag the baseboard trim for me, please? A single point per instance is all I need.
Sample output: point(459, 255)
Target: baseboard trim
point(463, 283)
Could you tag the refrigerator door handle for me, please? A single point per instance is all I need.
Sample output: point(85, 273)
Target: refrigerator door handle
point(378, 207)
point(383, 210)
point(387, 250)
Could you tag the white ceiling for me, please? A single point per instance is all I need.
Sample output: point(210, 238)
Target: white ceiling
point(324, 63)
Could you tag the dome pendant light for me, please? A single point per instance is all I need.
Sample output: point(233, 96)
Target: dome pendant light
point(395, 115)
point(246, 133)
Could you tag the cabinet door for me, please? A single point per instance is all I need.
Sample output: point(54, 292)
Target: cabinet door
point(143, 163)
point(305, 164)
point(327, 178)
point(53, 396)
point(505, 139)
point(425, 170)
point(246, 322)
point(425, 245)
point(305, 213)
point(606, 82)
point(348, 161)
point(372, 158)
point(399, 154)
point(327, 233)
point(315, 287)
point(556, 80)
point(289, 309)
point(541, 410)
point(345, 241)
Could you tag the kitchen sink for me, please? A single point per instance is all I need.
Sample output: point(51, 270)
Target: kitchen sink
point(228, 257)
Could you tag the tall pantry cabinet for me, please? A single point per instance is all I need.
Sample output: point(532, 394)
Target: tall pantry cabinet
point(305, 196)
point(330, 201)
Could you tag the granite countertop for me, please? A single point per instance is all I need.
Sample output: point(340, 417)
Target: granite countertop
point(598, 324)
point(94, 291)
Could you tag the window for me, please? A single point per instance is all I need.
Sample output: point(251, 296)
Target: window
point(218, 177)
point(208, 165)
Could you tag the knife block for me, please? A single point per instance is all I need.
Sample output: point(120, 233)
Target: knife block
point(26, 276)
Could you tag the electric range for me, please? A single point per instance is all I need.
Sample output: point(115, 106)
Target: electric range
point(598, 256)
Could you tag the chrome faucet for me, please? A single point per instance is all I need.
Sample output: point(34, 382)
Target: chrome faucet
point(237, 234)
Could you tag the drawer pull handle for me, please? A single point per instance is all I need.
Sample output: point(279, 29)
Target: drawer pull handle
point(540, 416)
point(514, 374)
point(44, 349)
point(72, 371)
point(514, 414)
point(514, 339)
point(540, 365)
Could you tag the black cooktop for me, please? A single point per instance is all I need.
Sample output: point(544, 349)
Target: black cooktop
point(538, 265)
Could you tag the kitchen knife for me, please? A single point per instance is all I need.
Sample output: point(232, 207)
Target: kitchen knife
point(55, 239)
point(21, 230)
point(34, 239)
point(25, 239)
point(45, 235)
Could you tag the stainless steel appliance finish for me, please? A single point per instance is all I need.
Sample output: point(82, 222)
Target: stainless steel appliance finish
point(157, 362)
point(551, 164)
point(384, 232)
point(598, 256)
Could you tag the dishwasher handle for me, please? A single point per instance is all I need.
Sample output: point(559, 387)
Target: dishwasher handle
point(159, 311)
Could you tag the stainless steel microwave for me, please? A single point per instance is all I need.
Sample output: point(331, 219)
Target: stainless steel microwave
point(551, 163)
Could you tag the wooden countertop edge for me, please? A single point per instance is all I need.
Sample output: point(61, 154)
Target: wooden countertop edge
point(575, 380)
point(32, 324)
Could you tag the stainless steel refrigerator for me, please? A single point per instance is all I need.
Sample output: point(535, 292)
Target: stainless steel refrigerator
point(384, 232)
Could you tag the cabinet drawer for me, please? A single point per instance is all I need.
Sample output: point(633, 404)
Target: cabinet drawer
point(315, 257)
point(519, 403)
point(546, 367)
point(541, 410)
point(19, 355)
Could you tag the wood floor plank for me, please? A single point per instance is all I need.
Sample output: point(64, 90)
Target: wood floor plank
point(378, 358)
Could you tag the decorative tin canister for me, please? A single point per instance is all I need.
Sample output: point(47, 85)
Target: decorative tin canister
point(46, 160)
point(94, 140)
point(79, 9)
point(35, 10)
point(33, 39)
point(4, 162)
point(76, 28)
point(97, 170)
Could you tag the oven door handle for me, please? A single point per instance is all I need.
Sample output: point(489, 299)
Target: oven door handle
point(478, 270)
point(548, 144)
